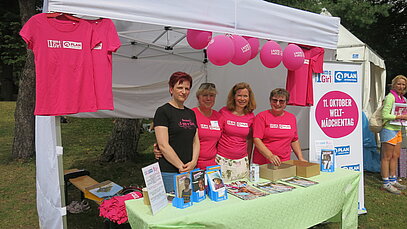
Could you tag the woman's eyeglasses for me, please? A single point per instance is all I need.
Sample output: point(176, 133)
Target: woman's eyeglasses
point(207, 86)
point(281, 101)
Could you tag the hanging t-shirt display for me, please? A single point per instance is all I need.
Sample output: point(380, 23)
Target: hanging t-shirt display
point(102, 61)
point(63, 62)
point(299, 82)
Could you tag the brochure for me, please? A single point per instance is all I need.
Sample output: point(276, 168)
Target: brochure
point(327, 160)
point(300, 181)
point(399, 109)
point(244, 191)
point(274, 187)
point(198, 182)
point(105, 189)
point(183, 188)
point(215, 182)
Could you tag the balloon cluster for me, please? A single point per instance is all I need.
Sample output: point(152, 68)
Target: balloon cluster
point(223, 49)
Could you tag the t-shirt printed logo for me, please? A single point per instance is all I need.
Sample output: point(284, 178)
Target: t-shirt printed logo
point(231, 123)
point(54, 44)
point(204, 126)
point(285, 127)
point(72, 45)
point(273, 126)
point(98, 46)
point(186, 124)
point(280, 126)
point(242, 124)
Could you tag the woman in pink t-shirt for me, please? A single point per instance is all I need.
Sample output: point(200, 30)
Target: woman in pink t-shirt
point(275, 132)
point(209, 124)
point(235, 144)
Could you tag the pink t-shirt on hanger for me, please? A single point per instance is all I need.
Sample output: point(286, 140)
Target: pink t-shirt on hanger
point(102, 61)
point(63, 64)
point(233, 142)
point(209, 132)
point(277, 134)
point(299, 82)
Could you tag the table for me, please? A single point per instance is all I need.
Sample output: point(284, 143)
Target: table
point(336, 193)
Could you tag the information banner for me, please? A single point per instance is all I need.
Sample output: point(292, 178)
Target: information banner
point(336, 117)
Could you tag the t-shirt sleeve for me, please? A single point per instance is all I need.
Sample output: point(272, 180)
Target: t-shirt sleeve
point(318, 61)
point(96, 38)
point(113, 37)
point(27, 33)
point(161, 118)
point(259, 126)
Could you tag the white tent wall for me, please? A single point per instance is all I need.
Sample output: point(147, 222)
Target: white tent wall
point(140, 75)
point(350, 48)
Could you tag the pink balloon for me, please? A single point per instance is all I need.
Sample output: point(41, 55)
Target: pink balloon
point(242, 50)
point(220, 50)
point(293, 57)
point(198, 39)
point(271, 54)
point(254, 44)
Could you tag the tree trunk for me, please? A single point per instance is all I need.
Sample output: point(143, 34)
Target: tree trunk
point(123, 142)
point(24, 130)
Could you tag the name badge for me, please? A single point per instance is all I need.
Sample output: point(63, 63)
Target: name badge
point(214, 124)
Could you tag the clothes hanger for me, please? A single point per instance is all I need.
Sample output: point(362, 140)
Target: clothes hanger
point(58, 14)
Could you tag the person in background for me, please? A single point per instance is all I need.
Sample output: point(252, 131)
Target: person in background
point(390, 136)
point(235, 144)
point(209, 126)
point(275, 132)
point(176, 131)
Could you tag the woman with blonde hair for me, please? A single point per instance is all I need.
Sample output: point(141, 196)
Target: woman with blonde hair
point(235, 144)
point(391, 137)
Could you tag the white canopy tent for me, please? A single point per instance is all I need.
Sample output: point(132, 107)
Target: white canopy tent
point(351, 49)
point(152, 33)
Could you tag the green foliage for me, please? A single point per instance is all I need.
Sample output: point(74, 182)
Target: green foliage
point(12, 47)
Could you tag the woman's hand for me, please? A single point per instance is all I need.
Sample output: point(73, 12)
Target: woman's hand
point(157, 151)
point(188, 167)
point(275, 160)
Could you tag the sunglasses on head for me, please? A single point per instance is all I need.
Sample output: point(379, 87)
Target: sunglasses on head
point(281, 101)
point(207, 86)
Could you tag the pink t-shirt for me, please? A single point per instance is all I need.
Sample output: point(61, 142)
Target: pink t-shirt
point(233, 142)
point(63, 64)
point(209, 132)
point(102, 61)
point(277, 133)
point(299, 82)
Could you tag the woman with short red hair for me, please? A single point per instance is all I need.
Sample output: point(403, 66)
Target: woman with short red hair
point(176, 131)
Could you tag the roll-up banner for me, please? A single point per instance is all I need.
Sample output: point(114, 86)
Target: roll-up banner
point(336, 119)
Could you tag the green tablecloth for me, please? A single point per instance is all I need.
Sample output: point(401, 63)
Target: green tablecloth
point(301, 208)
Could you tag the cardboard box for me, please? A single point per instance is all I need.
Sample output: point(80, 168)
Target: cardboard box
point(305, 169)
point(273, 173)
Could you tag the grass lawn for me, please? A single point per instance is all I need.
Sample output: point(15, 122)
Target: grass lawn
point(85, 139)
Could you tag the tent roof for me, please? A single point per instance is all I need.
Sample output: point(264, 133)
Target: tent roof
point(351, 48)
point(255, 18)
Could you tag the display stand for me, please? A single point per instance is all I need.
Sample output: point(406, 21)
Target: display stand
point(214, 195)
point(179, 203)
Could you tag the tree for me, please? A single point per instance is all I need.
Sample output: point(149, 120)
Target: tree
point(123, 142)
point(24, 130)
point(12, 50)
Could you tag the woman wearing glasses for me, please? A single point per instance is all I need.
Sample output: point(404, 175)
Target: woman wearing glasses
point(235, 144)
point(176, 131)
point(275, 132)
